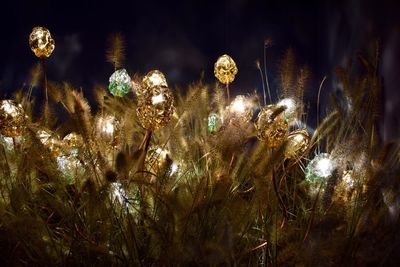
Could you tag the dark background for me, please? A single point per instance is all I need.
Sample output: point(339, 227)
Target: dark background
point(183, 39)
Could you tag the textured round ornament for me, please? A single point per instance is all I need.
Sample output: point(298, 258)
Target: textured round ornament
point(241, 108)
point(107, 129)
point(154, 78)
point(225, 69)
point(320, 168)
point(271, 126)
point(12, 118)
point(297, 143)
point(120, 83)
point(156, 108)
point(41, 42)
point(70, 167)
point(50, 140)
point(214, 122)
point(73, 142)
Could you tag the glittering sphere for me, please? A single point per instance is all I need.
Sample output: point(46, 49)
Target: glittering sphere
point(120, 83)
point(50, 141)
point(241, 108)
point(8, 142)
point(297, 143)
point(70, 167)
point(156, 108)
point(12, 118)
point(225, 69)
point(73, 142)
point(214, 122)
point(271, 126)
point(107, 129)
point(154, 78)
point(157, 159)
point(320, 168)
point(41, 42)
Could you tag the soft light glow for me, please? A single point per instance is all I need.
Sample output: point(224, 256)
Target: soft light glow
point(239, 106)
point(157, 99)
point(9, 108)
point(162, 152)
point(106, 124)
point(320, 168)
point(118, 193)
point(156, 79)
point(174, 168)
point(348, 179)
point(290, 107)
point(324, 167)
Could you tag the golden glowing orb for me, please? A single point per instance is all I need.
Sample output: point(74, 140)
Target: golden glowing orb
point(225, 69)
point(73, 140)
point(12, 118)
point(241, 108)
point(156, 108)
point(271, 126)
point(297, 143)
point(107, 129)
point(154, 78)
point(41, 42)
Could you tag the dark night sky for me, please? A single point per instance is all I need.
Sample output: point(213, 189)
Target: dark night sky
point(184, 38)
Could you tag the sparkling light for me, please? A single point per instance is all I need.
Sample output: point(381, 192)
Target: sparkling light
point(290, 107)
point(348, 179)
point(156, 79)
point(239, 106)
point(9, 108)
point(324, 167)
point(157, 99)
point(320, 168)
point(174, 168)
point(106, 124)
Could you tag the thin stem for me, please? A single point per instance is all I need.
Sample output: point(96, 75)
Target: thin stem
point(262, 81)
point(43, 63)
point(228, 93)
point(318, 103)
point(266, 75)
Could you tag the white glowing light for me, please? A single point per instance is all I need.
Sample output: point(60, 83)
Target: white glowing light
point(162, 152)
point(9, 107)
point(174, 168)
point(156, 79)
point(43, 136)
point(106, 125)
point(157, 99)
point(290, 107)
point(348, 179)
point(118, 193)
point(238, 105)
point(320, 168)
point(324, 167)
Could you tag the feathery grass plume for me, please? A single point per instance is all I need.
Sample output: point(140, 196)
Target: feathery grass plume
point(100, 92)
point(221, 198)
point(301, 82)
point(55, 91)
point(35, 75)
point(79, 111)
point(116, 51)
point(286, 73)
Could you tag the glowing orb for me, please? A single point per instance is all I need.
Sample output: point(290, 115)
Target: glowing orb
point(320, 168)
